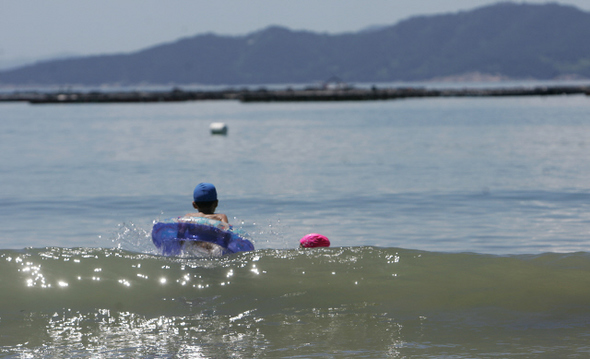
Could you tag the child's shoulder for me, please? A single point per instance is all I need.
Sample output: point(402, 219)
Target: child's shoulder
point(222, 217)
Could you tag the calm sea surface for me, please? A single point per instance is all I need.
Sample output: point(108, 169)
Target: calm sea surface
point(460, 227)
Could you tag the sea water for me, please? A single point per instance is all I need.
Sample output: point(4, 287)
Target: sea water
point(459, 228)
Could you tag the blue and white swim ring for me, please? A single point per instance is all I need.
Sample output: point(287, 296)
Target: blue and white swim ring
point(198, 236)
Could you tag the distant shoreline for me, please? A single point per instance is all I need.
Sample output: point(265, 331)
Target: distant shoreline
point(468, 80)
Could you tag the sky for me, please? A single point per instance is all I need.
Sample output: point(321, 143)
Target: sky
point(39, 29)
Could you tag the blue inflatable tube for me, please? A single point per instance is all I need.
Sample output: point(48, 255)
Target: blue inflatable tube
point(187, 235)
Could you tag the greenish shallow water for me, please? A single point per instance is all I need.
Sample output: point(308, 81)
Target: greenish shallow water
point(338, 302)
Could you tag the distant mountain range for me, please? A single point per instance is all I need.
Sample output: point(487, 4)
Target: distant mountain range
point(506, 40)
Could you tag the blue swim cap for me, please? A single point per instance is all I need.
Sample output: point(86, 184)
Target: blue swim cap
point(205, 192)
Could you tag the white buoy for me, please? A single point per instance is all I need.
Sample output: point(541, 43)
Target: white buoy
point(218, 128)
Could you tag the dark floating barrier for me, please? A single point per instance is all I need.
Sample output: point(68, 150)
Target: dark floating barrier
point(288, 95)
point(134, 96)
point(350, 94)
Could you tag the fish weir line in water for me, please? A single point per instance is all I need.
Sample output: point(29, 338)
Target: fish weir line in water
point(286, 95)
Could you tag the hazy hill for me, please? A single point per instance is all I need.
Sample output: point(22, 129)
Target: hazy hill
point(507, 39)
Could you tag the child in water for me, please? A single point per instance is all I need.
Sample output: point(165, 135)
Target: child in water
point(205, 201)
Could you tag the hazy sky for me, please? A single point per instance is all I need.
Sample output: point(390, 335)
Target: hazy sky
point(41, 28)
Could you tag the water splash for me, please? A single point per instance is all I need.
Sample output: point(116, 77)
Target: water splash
point(131, 237)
